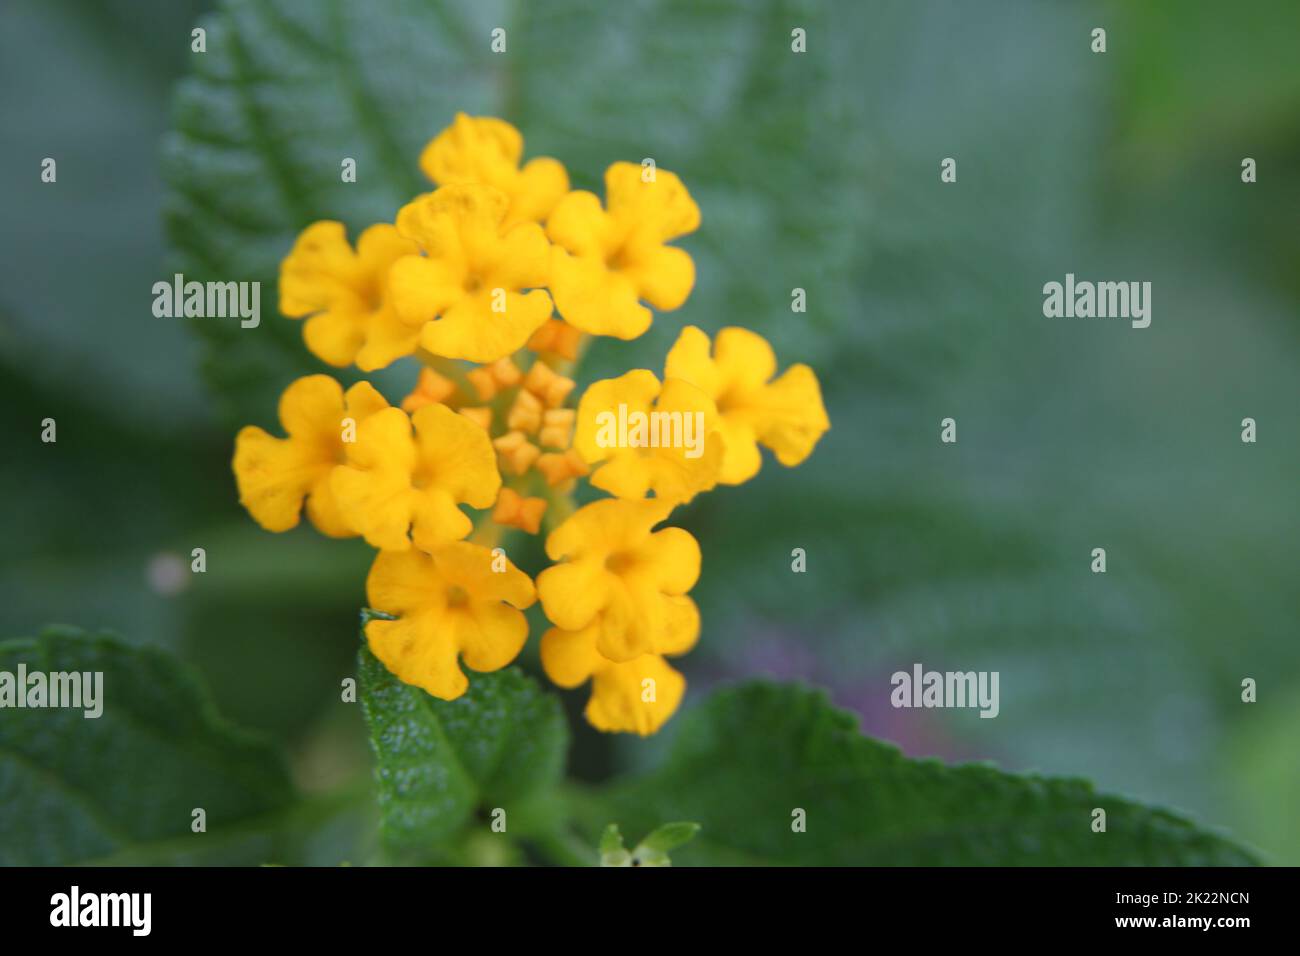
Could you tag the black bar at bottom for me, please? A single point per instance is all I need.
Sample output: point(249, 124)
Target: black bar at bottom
point(365, 904)
point(369, 905)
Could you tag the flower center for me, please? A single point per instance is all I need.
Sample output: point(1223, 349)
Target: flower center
point(457, 596)
point(374, 295)
point(620, 562)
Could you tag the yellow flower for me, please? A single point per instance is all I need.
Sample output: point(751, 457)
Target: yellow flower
point(650, 438)
point(619, 578)
point(450, 603)
point(481, 149)
point(345, 293)
point(274, 475)
point(786, 415)
point(609, 259)
point(395, 482)
point(464, 294)
point(636, 696)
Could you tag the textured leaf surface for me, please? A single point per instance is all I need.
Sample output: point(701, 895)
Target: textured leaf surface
point(121, 787)
point(751, 755)
point(501, 745)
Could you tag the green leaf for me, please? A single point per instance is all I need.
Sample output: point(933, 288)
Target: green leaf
point(500, 746)
point(612, 851)
point(611, 840)
point(669, 837)
point(653, 850)
point(122, 787)
point(751, 757)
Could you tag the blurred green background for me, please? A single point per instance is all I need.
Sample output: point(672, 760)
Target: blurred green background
point(818, 171)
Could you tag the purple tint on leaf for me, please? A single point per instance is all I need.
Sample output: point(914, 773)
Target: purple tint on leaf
point(786, 655)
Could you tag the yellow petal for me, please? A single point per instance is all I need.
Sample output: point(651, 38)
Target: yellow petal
point(659, 210)
point(635, 697)
point(335, 336)
point(473, 150)
point(421, 651)
point(359, 402)
point(570, 657)
point(274, 475)
point(434, 518)
point(485, 150)
point(596, 299)
point(471, 330)
point(787, 415)
point(362, 400)
point(671, 557)
point(741, 458)
point(681, 625)
point(604, 527)
point(404, 583)
point(595, 435)
point(456, 455)
point(311, 408)
point(457, 223)
point(421, 288)
point(663, 275)
point(472, 275)
point(689, 359)
point(490, 635)
point(345, 289)
point(643, 613)
point(521, 259)
point(541, 184)
point(449, 603)
point(612, 575)
point(626, 475)
point(690, 454)
point(744, 358)
point(611, 258)
point(473, 568)
point(582, 227)
point(388, 339)
point(632, 620)
point(792, 417)
point(374, 487)
point(320, 271)
point(324, 512)
point(418, 647)
point(666, 447)
point(573, 593)
point(379, 246)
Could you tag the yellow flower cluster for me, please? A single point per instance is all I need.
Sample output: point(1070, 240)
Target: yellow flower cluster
point(469, 280)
